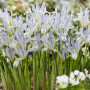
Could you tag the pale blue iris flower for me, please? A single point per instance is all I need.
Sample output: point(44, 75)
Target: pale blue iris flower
point(83, 19)
point(42, 30)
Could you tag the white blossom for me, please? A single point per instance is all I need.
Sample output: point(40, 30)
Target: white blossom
point(62, 81)
point(81, 76)
point(74, 78)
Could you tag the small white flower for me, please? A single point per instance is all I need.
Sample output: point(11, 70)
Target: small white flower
point(86, 72)
point(74, 55)
point(63, 81)
point(8, 60)
point(74, 78)
point(76, 72)
point(16, 62)
point(73, 81)
point(82, 76)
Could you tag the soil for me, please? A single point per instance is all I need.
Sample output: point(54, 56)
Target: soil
point(1, 85)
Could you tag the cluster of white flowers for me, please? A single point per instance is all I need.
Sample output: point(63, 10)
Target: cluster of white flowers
point(75, 78)
point(87, 74)
point(43, 30)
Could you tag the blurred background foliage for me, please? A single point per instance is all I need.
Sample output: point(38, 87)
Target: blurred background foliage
point(21, 6)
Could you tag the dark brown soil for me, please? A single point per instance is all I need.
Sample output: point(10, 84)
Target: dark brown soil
point(1, 85)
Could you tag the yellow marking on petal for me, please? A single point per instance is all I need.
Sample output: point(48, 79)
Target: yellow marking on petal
point(63, 83)
point(81, 76)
